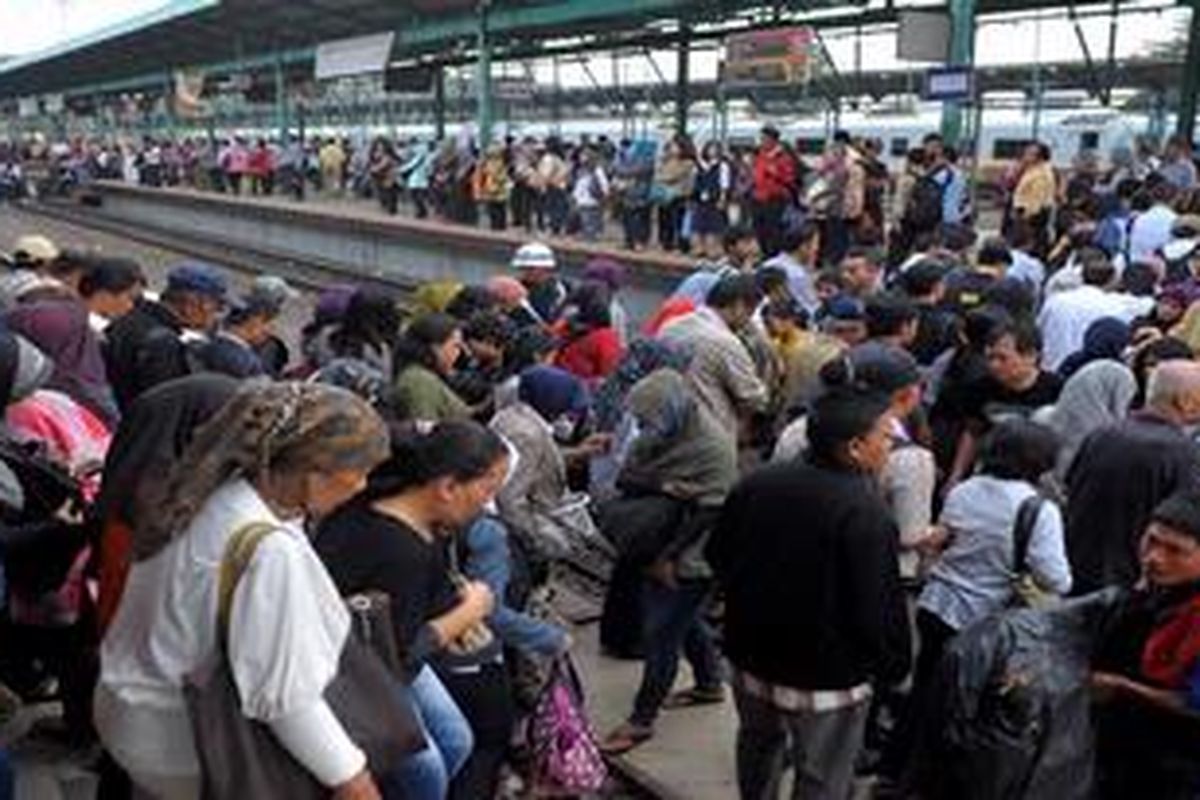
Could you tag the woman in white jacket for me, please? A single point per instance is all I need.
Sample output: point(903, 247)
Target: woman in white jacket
point(277, 454)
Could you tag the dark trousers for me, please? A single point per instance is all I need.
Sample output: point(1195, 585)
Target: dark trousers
point(555, 207)
point(420, 198)
point(768, 226)
point(674, 621)
point(670, 224)
point(636, 222)
point(522, 199)
point(485, 699)
point(823, 749)
point(389, 198)
point(234, 181)
point(497, 215)
point(835, 240)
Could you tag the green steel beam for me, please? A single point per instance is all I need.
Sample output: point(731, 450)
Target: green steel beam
point(1190, 84)
point(683, 85)
point(962, 54)
point(483, 69)
point(433, 33)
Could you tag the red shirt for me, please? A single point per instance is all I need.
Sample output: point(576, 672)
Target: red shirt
point(774, 175)
point(592, 356)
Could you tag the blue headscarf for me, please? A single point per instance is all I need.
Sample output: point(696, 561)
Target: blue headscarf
point(553, 392)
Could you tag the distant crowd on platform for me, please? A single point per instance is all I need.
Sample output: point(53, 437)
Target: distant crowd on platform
point(922, 500)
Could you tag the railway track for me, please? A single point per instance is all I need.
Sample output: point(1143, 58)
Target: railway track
point(309, 273)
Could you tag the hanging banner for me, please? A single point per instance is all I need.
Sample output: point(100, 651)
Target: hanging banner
point(777, 55)
point(189, 86)
point(359, 55)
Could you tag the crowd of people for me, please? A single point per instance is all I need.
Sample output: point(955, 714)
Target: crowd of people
point(682, 195)
point(852, 470)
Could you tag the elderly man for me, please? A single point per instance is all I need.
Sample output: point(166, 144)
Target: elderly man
point(1122, 472)
point(1147, 667)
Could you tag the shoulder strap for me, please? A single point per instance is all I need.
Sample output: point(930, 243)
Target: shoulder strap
point(241, 548)
point(1027, 515)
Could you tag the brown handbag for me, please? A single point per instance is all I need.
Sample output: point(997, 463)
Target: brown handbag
point(240, 757)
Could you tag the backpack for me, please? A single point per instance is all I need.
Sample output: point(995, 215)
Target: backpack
point(924, 208)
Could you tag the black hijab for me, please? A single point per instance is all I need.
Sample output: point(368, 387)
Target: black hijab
point(150, 439)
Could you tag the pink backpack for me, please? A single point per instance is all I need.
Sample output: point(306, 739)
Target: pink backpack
point(566, 760)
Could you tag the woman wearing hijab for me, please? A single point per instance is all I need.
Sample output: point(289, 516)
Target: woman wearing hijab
point(1105, 338)
point(150, 439)
point(1099, 394)
point(611, 275)
point(551, 403)
point(65, 432)
point(680, 452)
point(61, 329)
point(275, 454)
point(591, 347)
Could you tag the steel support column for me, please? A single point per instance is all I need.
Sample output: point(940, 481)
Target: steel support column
point(483, 88)
point(1190, 83)
point(962, 54)
point(683, 82)
point(439, 102)
point(281, 109)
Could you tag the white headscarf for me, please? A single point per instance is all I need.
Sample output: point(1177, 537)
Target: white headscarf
point(1097, 395)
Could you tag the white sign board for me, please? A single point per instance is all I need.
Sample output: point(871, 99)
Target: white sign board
point(359, 55)
point(28, 107)
point(923, 36)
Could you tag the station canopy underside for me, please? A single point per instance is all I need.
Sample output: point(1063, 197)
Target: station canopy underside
point(240, 35)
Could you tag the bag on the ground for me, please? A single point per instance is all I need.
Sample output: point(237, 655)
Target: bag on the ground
point(1026, 592)
point(240, 757)
point(566, 759)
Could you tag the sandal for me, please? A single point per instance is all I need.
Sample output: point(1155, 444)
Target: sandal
point(696, 696)
point(624, 738)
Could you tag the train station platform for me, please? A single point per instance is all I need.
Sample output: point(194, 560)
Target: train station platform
point(357, 239)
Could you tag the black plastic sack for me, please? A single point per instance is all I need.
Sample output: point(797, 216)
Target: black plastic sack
point(1009, 715)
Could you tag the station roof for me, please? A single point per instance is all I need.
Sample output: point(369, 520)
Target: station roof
point(226, 36)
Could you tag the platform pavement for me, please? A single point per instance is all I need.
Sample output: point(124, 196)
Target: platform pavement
point(691, 756)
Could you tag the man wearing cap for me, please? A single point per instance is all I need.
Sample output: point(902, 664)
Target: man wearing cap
point(537, 269)
point(32, 256)
point(150, 345)
point(1146, 679)
point(247, 333)
point(774, 189)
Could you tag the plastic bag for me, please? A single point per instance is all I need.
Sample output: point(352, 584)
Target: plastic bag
point(566, 759)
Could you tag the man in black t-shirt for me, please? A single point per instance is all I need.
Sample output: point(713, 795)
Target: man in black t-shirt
point(1015, 386)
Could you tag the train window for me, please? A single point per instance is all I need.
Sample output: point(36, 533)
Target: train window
point(1089, 140)
point(1006, 149)
point(899, 146)
point(810, 146)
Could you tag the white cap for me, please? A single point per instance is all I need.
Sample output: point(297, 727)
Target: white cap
point(534, 255)
point(1177, 249)
point(35, 248)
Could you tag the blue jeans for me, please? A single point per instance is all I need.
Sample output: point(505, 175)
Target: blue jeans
point(674, 620)
point(426, 775)
point(7, 778)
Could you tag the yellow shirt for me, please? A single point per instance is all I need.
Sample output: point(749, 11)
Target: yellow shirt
point(1035, 190)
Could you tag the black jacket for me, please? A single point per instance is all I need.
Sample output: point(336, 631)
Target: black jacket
point(144, 348)
point(1117, 478)
point(807, 558)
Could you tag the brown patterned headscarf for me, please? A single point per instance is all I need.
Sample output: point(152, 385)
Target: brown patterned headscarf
point(267, 429)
